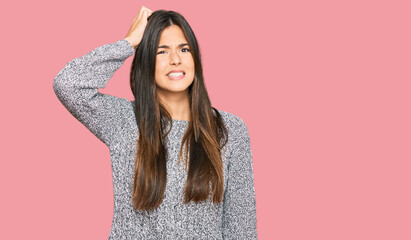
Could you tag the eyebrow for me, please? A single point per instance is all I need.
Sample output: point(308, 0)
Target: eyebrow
point(166, 46)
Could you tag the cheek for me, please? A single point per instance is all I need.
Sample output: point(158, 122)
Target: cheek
point(189, 64)
point(160, 65)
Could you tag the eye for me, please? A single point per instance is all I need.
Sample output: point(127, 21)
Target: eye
point(181, 49)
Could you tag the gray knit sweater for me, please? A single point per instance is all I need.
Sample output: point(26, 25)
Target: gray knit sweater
point(112, 120)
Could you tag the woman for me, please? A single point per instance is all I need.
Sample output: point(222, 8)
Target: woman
point(211, 195)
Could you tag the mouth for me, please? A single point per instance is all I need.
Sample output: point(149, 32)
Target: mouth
point(176, 74)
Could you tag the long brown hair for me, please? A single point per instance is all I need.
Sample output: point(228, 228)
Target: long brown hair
point(206, 133)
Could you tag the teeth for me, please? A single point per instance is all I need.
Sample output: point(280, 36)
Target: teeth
point(176, 74)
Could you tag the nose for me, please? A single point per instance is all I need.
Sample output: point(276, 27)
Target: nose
point(175, 58)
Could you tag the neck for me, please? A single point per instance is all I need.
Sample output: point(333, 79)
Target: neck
point(177, 104)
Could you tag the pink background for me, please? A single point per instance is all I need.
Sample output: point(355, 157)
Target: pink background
point(323, 86)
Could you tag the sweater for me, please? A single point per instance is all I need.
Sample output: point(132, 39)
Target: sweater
point(112, 120)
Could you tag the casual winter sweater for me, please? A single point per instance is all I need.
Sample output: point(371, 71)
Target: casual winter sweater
point(112, 120)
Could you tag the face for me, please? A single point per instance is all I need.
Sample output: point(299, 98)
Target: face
point(173, 54)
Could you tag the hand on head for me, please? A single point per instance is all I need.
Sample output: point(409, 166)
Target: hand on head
point(136, 31)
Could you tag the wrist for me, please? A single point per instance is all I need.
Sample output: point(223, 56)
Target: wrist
point(131, 43)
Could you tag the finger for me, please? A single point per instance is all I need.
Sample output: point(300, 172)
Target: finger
point(143, 8)
point(141, 17)
point(140, 13)
point(147, 9)
point(146, 14)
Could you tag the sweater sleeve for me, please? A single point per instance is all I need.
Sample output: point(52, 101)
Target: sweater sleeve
point(239, 206)
point(77, 84)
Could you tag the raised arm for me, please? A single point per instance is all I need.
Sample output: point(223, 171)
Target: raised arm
point(77, 84)
point(239, 206)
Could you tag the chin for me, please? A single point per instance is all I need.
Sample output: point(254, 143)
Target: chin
point(172, 89)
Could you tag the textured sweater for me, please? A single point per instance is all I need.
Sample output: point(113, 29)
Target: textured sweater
point(112, 120)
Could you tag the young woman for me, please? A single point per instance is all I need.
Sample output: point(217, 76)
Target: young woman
point(182, 169)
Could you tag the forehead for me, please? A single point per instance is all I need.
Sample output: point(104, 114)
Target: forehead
point(172, 35)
